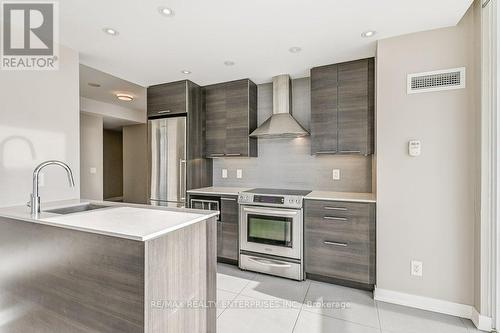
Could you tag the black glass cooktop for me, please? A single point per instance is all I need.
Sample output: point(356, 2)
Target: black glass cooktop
point(275, 191)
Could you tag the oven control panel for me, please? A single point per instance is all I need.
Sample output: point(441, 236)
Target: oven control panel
point(290, 201)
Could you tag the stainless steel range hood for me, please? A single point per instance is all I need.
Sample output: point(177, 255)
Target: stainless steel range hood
point(281, 124)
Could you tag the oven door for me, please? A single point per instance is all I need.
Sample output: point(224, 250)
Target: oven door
point(274, 231)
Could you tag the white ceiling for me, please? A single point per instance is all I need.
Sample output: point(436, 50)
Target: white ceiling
point(255, 34)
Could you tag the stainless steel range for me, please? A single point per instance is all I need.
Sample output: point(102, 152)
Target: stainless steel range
point(271, 232)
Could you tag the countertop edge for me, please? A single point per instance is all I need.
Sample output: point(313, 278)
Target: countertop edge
point(340, 199)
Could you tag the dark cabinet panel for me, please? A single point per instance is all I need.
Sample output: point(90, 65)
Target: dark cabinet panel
point(168, 98)
point(215, 115)
point(231, 114)
point(340, 240)
point(229, 245)
point(342, 108)
point(229, 209)
point(324, 110)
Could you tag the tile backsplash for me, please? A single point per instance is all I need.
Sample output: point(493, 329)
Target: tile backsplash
point(288, 163)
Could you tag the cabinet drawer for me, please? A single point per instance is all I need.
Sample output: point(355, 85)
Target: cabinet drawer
point(347, 260)
point(343, 211)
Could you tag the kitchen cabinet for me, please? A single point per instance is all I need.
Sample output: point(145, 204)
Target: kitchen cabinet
point(342, 108)
point(340, 242)
point(167, 99)
point(227, 225)
point(231, 115)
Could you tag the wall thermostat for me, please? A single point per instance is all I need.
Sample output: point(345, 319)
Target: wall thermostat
point(414, 147)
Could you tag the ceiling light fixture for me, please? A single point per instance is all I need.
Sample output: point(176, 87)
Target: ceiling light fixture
point(185, 72)
point(165, 11)
point(368, 34)
point(125, 97)
point(111, 31)
point(94, 85)
point(295, 49)
point(229, 63)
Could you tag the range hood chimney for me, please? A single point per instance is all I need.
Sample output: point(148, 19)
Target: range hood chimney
point(281, 124)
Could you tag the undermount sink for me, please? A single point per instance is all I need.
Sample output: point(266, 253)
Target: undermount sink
point(75, 209)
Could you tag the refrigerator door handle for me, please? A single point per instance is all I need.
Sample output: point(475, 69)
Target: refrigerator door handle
point(182, 179)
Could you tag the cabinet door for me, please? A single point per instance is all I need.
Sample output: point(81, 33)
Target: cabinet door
point(168, 98)
point(237, 140)
point(229, 218)
point(355, 107)
point(324, 110)
point(215, 115)
point(229, 246)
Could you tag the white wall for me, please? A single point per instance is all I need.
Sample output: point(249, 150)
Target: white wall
point(427, 205)
point(111, 110)
point(39, 120)
point(91, 156)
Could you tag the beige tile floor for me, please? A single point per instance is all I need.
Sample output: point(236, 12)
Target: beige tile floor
point(257, 303)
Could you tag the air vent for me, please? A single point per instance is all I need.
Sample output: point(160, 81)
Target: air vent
point(446, 79)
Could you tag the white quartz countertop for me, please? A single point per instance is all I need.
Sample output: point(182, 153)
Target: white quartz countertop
point(136, 222)
point(219, 190)
point(341, 196)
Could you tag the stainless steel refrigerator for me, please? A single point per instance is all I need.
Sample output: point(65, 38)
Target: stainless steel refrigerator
point(167, 140)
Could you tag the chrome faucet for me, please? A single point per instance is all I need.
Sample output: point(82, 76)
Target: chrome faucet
point(35, 198)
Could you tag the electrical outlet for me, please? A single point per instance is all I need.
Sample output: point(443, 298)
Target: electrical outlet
point(239, 173)
point(336, 174)
point(93, 171)
point(224, 173)
point(416, 268)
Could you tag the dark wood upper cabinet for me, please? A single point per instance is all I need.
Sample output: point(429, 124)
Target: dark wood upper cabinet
point(342, 108)
point(231, 115)
point(168, 98)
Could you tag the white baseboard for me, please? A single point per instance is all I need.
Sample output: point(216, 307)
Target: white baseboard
point(435, 305)
point(482, 323)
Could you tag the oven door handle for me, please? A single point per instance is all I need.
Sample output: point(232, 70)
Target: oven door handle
point(269, 211)
point(268, 262)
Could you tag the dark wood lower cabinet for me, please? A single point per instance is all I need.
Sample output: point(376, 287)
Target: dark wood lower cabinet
point(340, 242)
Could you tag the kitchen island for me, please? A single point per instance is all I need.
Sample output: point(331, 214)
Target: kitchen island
point(117, 268)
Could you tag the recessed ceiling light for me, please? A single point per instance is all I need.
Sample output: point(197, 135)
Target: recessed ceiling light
point(229, 63)
point(94, 85)
point(369, 33)
point(295, 49)
point(185, 72)
point(125, 97)
point(111, 31)
point(165, 11)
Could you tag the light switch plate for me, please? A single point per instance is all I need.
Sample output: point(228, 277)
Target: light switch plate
point(336, 174)
point(239, 173)
point(417, 268)
point(224, 173)
point(93, 171)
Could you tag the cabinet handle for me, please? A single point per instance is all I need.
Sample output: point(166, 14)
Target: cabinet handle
point(233, 154)
point(326, 152)
point(343, 219)
point(335, 243)
point(335, 208)
point(164, 111)
point(350, 151)
point(216, 155)
point(228, 199)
